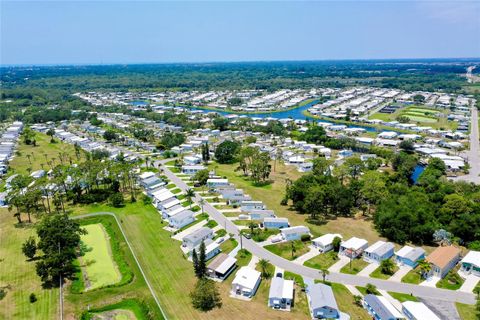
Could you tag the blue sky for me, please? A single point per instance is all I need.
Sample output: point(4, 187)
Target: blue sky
point(143, 32)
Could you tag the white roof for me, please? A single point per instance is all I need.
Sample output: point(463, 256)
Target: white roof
point(375, 246)
point(287, 291)
point(226, 264)
point(472, 257)
point(246, 277)
point(327, 239)
point(390, 307)
point(164, 196)
point(171, 203)
point(354, 243)
point(404, 251)
point(419, 311)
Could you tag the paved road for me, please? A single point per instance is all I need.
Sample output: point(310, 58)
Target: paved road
point(88, 215)
point(473, 154)
point(255, 249)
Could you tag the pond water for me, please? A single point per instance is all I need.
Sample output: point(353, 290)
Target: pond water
point(296, 113)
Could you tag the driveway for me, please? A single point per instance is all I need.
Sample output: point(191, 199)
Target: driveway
point(470, 283)
point(391, 299)
point(342, 261)
point(307, 256)
point(402, 271)
point(446, 310)
point(430, 282)
point(334, 276)
point(368, 269)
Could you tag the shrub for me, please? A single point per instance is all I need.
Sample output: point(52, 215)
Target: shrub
point(305, 237)
point(32, 298)
point(284, 202)
point(116, 200)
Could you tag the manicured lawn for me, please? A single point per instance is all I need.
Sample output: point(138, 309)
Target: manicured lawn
point(357, 265)
point(346, 303)
point(466, 311)
point(176, 190)
point(452, 280)
point(413, 276)
point(243, 257)
point(228, 245)
point(284, 249)
point(295, 277)
point(260, 235)
point(18, 276)
point(322, 261)
point(402, 297)
point(97, 263)
point(377, 273)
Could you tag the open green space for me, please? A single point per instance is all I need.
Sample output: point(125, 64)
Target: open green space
point(98, 265)
point(452, 281)
point(243, 257)
point(354, 267)
point(377, 273)
point(18, 277)
point(289, 250)
point(30, 158)
point(467, 311)
point(228, 245)
point(322, 261)
point(402, 297)
point(413, 276)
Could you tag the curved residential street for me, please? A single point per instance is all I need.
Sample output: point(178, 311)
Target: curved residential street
point(260, 252)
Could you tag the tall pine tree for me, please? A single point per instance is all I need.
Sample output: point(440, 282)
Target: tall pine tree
point(202, 262)
point(195, 264)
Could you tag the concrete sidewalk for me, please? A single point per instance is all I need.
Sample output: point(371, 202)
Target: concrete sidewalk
point(339, 264)
point(402, 271)
point(307, 256)
point(368, 269)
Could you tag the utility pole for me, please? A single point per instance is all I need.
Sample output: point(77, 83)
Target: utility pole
point(241, 244)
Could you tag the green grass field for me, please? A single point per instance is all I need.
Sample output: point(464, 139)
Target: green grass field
point(284, 249)
point(129, 309)
point(18, 277)
point(356, 266)
point(466, 311)
point(322, 261)
point(377, 273)
point(421, 115)
point(98, 264)
point(413, 276)
point(402, 297)
point(40, 155)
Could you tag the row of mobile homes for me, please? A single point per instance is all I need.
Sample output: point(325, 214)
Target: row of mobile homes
point(353, 247)
point(194, 239)
point(275, 223)
point(470, 264)
point(192, 169)
point(322, 303)
point(442, 260)
point(294, 233)
point(409, 256)
point(379, 251)
point(181, 219)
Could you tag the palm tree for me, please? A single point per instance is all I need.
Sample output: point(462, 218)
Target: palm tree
point(264, 264)
point(201, 203)
point(294, 250)
point(324, 273)
point(252, 225)
point(425, 267)
point(189, 194)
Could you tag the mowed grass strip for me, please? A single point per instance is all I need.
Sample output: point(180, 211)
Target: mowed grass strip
point(18, 276)
point(98, 264)
point(171, 274)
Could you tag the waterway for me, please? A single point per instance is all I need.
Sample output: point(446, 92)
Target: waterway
point(296, 113)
